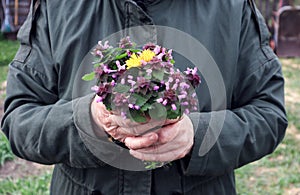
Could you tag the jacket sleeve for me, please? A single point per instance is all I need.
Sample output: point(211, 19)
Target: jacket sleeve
point(38, 123)
point(256, 122)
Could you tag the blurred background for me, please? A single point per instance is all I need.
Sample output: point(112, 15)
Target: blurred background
point(278, 173)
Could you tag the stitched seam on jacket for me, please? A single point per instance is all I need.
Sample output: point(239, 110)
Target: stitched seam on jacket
point(263, 64)
point(24, 67)
point(74, 181)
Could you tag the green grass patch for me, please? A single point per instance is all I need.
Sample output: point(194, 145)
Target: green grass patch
point(291, 71)
point(38, 185)
point(3, 73)
point(5, 151)
point(273, 174)
point(7, 53)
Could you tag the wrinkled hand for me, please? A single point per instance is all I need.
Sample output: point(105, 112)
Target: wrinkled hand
point(174, 142)
point(120, 128)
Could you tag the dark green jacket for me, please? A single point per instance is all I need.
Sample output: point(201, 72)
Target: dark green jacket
point(241, 96)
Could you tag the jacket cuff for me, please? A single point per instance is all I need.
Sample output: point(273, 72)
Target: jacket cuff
point(97, 145)
point(195, 164)
point(102, 148)
point(83, 119)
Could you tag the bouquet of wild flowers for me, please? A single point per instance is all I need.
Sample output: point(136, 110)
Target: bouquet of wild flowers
point(142, 83)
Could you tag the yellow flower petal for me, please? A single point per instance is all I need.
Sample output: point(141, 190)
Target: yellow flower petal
point(133, 61)
point(147, 55)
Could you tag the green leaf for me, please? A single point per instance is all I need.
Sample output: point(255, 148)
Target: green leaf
point(89, 76)
point(121, 56)
point(97, 64)
point(158, 111)
point(171, 114)
point(119, 88)
point(153, 164)
point(134, 72)
point(109, 55)
point(139, 99)
point(158, 74)
point(148, 76)
point(135, 50)
point(107, 102)
point(137, 116)
point(145, 107)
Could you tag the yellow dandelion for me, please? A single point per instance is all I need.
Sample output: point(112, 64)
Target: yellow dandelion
point(133, 61)
point(147, 55)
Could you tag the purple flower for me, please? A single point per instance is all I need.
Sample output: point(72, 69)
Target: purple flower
point(106, 69)
point(120, 99)
point(122, 81)
point(99, 71)
point(99, 99)
point(142, 85)
point(178, 76)
point(159, 100)
point(125, 43)
point(182, 96)
point(103, 90)
point(156, 64)
point(132, 82)
point(133, 106)
point(184, 103)
point(100, 49)
point(184, 85)
point(150, 46)
point(99, 53)
point(149, 71)
point(165, 102)
point(175, 86)
point(186, 111)
point(120, 67)
point(157, 49)
point(174, 107)
point(128, 52)
point(155, 88)
point(95, 88)
point(130, 106)
point(160, 56)
point(113, 83)
point(123, 114)
point(192, 76)
point(170, 96)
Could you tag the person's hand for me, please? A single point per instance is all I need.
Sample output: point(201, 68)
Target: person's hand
point(120, 128)
point(174, 142)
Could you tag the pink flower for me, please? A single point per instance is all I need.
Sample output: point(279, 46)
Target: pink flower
point(120, 67)
point(174, 107)
point(155, 88)
point(159, 100)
